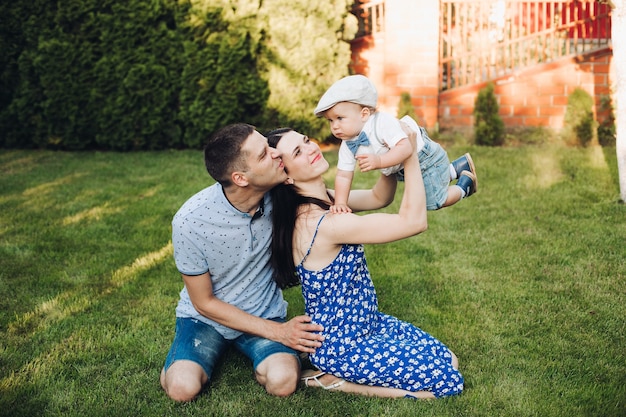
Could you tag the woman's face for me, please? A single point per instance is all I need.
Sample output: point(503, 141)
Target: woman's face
point(302, 158)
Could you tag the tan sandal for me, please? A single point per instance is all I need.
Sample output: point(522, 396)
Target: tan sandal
point(313, 375)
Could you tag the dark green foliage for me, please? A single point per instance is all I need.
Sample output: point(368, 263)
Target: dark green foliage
point(579, 124)
point(155, 74)
point(97, 74)
point(606, 128)
point(307, 50)
point(488, 125)
point(221, 82)
point(405, 108)
point(134, 91)
point(20, 94)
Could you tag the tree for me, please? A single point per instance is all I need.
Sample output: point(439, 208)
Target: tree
point(618, 36)
point(155, 74)
point(304, 48)
point(308, 50)
point(579, 123)
point(405, 107)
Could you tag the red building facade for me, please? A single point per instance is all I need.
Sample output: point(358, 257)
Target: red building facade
point(443, 52)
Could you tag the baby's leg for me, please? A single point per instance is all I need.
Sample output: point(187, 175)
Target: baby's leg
point(464, 187)
point(455, 194)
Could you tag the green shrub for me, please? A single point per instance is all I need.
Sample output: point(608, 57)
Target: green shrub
point(221, 78)
point(307, 49)
point(405, 108)
point(21, 95)
point(578, 124)
point(488, 125)
point(97, 74)
point(155, 74)
point(606, 128)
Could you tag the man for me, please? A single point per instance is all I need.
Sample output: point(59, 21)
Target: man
point(221, 238)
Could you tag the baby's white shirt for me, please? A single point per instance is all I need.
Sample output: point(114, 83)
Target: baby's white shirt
point(384, 132)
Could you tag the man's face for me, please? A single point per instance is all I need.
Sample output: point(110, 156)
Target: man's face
point(265, 168)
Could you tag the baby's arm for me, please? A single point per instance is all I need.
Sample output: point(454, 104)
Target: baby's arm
point(396, 155)
point(343, 182)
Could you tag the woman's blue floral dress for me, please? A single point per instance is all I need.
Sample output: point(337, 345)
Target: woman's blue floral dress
point(363, 345)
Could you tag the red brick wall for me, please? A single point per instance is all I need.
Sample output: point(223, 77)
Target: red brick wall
point(533, 97)
point(405, 58)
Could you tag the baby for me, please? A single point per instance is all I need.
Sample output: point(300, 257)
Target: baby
point(375, 140)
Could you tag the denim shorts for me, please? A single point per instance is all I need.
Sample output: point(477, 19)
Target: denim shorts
point(435, 167)
point(201, 343)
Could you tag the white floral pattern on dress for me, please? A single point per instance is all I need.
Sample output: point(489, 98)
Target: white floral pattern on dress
point(363, 345)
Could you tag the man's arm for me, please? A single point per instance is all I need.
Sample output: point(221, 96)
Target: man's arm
point(296, 333)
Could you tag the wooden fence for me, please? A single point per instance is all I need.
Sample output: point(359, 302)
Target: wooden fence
point(370, 16)
point(482, 40)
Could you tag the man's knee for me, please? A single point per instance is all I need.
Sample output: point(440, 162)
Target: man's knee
point(183, 382)
point(282, 383)
point(183, 392)
point(279, 374)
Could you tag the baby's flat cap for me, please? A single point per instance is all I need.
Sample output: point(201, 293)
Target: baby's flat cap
point(354, 88)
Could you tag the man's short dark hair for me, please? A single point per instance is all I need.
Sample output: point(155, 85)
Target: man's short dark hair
point(222, 152)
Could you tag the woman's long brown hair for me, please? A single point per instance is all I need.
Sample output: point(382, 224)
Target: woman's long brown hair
point(285, 203)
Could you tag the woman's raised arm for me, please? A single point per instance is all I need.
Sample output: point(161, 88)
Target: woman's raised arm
point(410, 220)
point(379, 196)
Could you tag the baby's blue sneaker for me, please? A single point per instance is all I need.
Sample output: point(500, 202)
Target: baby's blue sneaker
point(467, 182)
point(464, 163)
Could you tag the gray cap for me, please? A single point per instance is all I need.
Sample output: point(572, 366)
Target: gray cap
point(354, 88)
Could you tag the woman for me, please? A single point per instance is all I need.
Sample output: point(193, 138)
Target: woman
point(364, 350)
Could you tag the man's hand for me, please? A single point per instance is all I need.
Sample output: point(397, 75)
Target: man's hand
point(298, 333)
point(368, 162)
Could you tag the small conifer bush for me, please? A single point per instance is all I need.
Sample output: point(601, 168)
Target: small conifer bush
point(488, 125)
point(405, 108)
point(606, 128)
point(579, 124)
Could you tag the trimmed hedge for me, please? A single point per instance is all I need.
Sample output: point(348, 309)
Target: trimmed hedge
point(139, 74)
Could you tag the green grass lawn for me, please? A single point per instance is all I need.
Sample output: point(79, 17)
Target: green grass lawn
point(525, 282)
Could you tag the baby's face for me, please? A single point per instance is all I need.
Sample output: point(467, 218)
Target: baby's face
point(346, 119)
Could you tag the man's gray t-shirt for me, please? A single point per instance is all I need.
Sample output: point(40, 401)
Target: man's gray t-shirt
point(210, 235)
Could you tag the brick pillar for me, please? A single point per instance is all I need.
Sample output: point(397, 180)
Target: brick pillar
point(410, 64)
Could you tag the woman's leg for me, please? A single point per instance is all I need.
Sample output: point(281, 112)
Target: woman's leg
point(327, 380)
point(400, 355)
